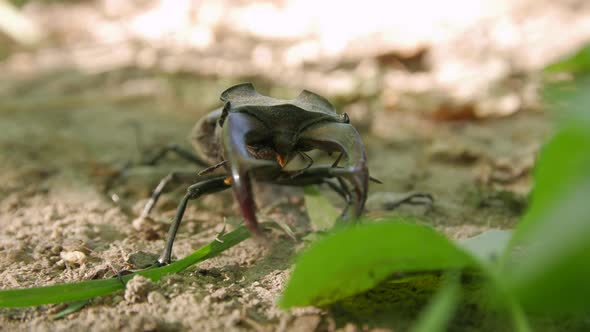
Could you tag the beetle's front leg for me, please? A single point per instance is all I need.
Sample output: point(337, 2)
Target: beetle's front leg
point(195, 191)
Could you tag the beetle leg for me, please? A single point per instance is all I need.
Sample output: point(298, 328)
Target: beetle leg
point(342, 137)
point(210, 169)
point(309, 164)
point(180, 151)
point(410, 198)
point(182, 177)
point(318, 176)
point(372, 179)
point(238, 129)
point(308, 158)
point(337, 161)
point(342, 190)
point(195, 191)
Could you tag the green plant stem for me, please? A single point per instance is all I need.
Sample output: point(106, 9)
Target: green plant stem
point(89, 289)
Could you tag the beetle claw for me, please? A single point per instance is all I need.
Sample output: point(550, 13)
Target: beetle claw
point(236, 129)
point(343, 137)
point(360, 180)
point(243, 193)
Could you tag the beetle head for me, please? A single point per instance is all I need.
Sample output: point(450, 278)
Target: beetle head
point(281, 120)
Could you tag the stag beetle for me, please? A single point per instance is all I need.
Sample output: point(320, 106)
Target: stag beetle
point(253, 137)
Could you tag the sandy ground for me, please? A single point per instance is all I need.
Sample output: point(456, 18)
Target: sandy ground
point(56, 224)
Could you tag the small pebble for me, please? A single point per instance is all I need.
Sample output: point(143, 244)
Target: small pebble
point(73, 257)
point(141, 259)
point(137, 289)
point(156, 298)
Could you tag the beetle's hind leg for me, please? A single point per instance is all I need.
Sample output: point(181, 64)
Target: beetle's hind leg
point(179, 151)
point(120, 174)
point(212, 168)
point(179, 177)
point(337, 184)
point(412, 198)
point(195, 191)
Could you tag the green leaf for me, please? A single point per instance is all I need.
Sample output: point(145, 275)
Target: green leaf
point(357, 258)
point(440, 310)
point(322, 213)
point(563, 163)
point(547, 267)
point(568, 101)
point(89, 289)
point(579, 62)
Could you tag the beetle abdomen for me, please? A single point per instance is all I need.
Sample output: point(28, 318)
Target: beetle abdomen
point(205, 139)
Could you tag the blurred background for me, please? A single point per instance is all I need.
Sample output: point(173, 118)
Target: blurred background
point(462, 56)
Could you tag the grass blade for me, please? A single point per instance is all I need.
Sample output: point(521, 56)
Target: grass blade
point(72, 308)
point(89, 289)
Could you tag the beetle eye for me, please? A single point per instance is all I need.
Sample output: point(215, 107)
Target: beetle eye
point(345, 118)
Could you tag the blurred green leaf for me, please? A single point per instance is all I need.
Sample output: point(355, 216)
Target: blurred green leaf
point(18, 3)
point(356, 259)
point(564, 162)
point(548, 265)
point(322, 213)
point(578, 62)
point(568, 101)
point(440, 310)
